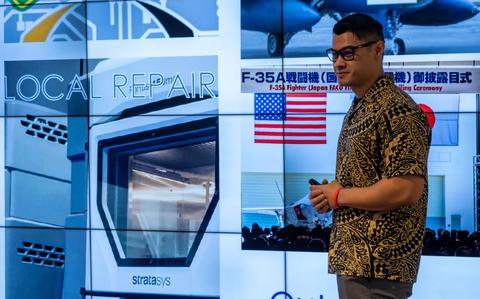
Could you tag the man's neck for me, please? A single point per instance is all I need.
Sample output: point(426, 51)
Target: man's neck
point(360, 91)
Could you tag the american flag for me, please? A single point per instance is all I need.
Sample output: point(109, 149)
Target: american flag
point(302, 121)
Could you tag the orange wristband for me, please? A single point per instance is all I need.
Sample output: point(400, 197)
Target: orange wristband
point(335, 198)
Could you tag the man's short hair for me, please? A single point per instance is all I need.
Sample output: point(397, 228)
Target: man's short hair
point(363, 26)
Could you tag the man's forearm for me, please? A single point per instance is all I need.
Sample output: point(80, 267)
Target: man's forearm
point(385, 195)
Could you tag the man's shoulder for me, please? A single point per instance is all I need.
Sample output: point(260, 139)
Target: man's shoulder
point(400, 110)
point(394, 98)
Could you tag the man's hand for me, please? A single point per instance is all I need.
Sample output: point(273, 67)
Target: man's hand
point(321, 206)
point(321, 196)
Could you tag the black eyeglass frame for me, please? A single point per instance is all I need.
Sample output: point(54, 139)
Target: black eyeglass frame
point(331, 53)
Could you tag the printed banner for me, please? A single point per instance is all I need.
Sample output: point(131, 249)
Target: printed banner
point(310, 80)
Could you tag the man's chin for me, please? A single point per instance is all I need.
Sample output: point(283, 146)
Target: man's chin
point(343, 82)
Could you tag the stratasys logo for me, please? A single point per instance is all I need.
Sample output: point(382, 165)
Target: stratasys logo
point(285, 295)
point(149, 280)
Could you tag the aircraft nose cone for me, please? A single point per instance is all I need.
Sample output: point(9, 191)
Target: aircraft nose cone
point(302, 11)
point(475, 10)
point(310, 16)
point(298, 16)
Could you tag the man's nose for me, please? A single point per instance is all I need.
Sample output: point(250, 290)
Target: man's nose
point(339, 62)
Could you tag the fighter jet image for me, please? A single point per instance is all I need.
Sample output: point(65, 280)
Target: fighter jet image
point(283, 19)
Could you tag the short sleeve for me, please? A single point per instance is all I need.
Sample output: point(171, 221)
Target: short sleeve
point(406, 141)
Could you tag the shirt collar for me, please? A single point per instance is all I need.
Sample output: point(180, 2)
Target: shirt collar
point(370, 95)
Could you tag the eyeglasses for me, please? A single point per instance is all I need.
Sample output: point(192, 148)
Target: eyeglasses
point(347, 53)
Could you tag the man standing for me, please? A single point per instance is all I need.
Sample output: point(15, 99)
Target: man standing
point(379, 195)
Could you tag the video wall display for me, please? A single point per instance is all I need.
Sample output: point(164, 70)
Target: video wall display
point(164, 148)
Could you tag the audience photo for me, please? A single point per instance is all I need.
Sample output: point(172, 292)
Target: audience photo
point(301, 238)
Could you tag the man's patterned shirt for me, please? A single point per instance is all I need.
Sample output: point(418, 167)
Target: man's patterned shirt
point(384, 134)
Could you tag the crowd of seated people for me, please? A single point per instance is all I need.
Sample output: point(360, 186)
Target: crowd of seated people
point(301, 238)
point(290, 237)
point(451, 243)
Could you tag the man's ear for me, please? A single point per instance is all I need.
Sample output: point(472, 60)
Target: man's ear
point(379, 48)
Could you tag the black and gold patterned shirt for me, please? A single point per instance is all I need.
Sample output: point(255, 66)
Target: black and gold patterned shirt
point(384, 134)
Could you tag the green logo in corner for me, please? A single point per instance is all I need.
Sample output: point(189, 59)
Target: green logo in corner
point(22, 5)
